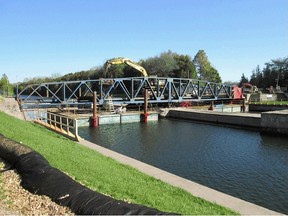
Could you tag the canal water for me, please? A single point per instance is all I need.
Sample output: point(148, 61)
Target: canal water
point(242, 163)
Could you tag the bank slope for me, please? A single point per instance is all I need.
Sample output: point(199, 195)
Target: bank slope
point(103, 174)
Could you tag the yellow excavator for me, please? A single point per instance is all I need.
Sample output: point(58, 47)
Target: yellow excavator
point(127, 61)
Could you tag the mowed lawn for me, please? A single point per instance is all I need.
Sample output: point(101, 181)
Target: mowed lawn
point(104, 174)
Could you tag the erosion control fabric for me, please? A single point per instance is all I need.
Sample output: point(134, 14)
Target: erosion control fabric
point(39, 177)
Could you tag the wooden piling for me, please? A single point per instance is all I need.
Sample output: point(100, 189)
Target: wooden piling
point(94, 119)
point(146, 113)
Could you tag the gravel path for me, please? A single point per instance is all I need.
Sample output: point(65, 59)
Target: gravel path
point(15, 200)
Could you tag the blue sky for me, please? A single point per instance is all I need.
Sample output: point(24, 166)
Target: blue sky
point(46, 37)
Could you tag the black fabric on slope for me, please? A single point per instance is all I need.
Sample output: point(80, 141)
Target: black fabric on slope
point(39, 177)
point(11, 150)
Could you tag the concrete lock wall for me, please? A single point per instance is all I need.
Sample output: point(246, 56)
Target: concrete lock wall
point(239, 119)
point(117, 119)
point(275, 122)
point(109, 119)
point(153, 117)
point(265, 107)
point(83, 122)
point(127, 118)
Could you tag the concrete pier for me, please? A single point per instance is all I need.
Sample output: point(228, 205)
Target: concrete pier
point(83, 120)
point(266, 107)
point(234, 119)
point(275, 122)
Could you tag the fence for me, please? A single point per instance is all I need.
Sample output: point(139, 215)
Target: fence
point(63, 124)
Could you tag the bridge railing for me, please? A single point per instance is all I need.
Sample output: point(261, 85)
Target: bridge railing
point(123, 90)
point(66, 125)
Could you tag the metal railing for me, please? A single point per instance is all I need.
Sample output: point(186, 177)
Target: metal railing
point(66, 125)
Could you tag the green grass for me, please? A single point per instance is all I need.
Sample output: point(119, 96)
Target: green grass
point(104, 174)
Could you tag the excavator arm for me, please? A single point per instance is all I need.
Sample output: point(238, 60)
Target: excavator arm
point(127, 61)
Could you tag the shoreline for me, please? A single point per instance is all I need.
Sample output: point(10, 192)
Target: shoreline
point(195, 189)
point(198, 190)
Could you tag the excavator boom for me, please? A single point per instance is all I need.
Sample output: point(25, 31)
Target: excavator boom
point(127, 61)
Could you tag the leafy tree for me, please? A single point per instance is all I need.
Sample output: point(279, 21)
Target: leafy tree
point(167, 64)
point(5, 86)
point(204, 68)
point(214, 76)
point(115, 71)
point(186, 68)
point(163, 65)
point(150, 65)
point(93, 73)
point(202, 64)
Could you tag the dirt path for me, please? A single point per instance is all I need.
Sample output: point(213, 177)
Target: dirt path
point(16, 200)
point(10, 106)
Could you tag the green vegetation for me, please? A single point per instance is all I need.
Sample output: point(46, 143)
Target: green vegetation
point(166, 64)
point(204, 68)
point(275, 73)
point(104, 174)
point(6, 89)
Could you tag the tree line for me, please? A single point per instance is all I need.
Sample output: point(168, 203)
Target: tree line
point(167, 64)
point(274, 73)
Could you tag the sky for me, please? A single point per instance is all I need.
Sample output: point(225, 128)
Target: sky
point(43, 38)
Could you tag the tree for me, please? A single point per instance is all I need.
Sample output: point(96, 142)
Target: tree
point(115, 71)
point(266, 76)
point(214, 76)
point(256, 77)
point(253, 78)
point(204, 68)
point(5, 86)
point(186, 68)
point(243, 80)
point(280, 67)
point(275, 73)
point(163, 65)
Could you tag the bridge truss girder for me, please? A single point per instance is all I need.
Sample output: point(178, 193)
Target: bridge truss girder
point(125, 91)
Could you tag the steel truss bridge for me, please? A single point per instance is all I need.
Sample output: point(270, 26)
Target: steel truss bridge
point(122, 91)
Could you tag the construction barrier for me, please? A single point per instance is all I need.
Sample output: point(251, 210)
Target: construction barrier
point(37, 176)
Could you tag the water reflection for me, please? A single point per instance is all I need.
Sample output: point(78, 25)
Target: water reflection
point(242, 163)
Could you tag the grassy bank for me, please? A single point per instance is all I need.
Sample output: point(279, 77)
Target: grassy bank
point(103, 174)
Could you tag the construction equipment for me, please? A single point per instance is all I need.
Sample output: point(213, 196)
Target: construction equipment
point(248, 88)
point(127, 61)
